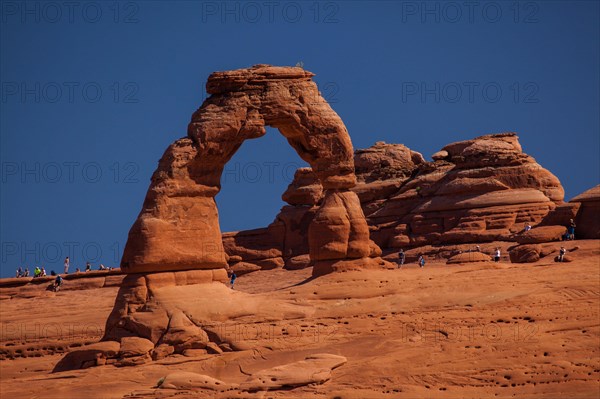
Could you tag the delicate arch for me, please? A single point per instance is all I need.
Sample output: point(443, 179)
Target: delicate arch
point(178, 227)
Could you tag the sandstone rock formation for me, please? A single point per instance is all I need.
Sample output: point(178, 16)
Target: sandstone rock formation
point(178, 227)
point(484, 190)
point(475, 191)
point(526, 253)
point(469, 257)
point(541, 234)
point(175, 250)
point(186, 380)
point(588, 218)
point(314, 369)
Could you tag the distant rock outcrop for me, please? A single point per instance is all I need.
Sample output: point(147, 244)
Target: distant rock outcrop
point(475, 191)
point(588, 218)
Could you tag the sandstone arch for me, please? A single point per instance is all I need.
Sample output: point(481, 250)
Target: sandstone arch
point(178, 228)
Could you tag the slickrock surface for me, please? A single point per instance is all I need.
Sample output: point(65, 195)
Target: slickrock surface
point(473, 330)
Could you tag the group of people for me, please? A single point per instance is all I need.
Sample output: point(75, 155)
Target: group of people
point(24, 272)
point(40, 271)
point(402, 259)
point(88, 267)
point(496, 257)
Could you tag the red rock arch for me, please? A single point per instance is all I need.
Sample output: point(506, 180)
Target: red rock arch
point(178, 229)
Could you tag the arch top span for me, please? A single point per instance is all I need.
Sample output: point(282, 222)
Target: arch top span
point(244, 101)
point(178, 226)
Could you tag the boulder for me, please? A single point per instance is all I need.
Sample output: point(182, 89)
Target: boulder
point(469, 257)
point(186, 380)
point(526, 253)
point(314, 369)
point(135, 346)
point(566, 259)
point(385, 161)
point(161, 351)
point(541, 234)
point(440, 155)
point(88, 356)
point(242, 268)
point(305, 189)
point(298, 262)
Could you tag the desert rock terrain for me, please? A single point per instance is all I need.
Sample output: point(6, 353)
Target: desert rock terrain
point(321, 307)
point(478, 329)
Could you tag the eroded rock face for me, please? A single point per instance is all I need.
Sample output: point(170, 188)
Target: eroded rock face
point(483, 190)
point(314, 369)
point(178, 227)
point(475, 191)
point(469, 257)
point(588, 218)
point(526, 253)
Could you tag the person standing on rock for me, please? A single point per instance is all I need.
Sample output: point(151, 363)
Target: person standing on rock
point(58, 281)
point(67, 262)
point(561, 254)
point(401, 258)
point(497, 255)
point(88, 267)
point(421, 261)
point(527, 227)
point(232, 278)
point(571, 230)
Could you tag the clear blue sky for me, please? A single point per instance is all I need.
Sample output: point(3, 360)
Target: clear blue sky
point(93, 93)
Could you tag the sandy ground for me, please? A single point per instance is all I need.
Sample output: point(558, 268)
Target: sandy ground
point(461, 331)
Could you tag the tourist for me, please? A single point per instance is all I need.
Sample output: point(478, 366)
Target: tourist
point(52, 273)
point(571, 230)
point(401, 258)
point(19, 272)
point(421, 261)
point(36, 272)
point(26, 272)
point(67, 262)
point(102, 267)
point(561, 254)
point(497, 255)
point(527, 227)
point(232, 278)
point(88, 267)
point(77, 270)
point(57, 283)
point(43, 272)
point(477, 248)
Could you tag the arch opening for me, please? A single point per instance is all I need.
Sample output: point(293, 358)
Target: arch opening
point(254, 180)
